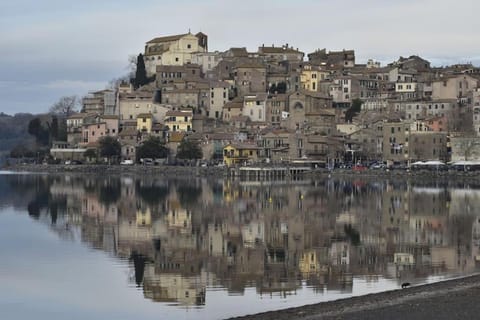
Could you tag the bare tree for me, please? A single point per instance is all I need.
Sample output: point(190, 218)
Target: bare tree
point(65, 106)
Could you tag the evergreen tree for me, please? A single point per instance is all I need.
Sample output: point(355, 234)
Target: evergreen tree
point(354, 109)
point(281, 87)
point(36, 129)
point(141, 73)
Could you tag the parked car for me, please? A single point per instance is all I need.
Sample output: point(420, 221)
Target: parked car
point(147, 161)
point(377, 166)
point(126, 162)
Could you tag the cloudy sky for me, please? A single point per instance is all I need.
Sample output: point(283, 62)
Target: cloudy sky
point(52, 48)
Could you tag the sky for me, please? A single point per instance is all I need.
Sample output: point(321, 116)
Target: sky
point(55, 48)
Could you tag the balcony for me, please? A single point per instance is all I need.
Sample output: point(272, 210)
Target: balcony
point(313, 152)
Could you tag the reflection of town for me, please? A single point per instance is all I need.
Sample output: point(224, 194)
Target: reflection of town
point(182, 237)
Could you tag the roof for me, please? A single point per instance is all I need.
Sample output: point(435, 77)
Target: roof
point(144, 115)
point(167, 38)
point(221, 136)
point(106, 116)
point(238, 52)
point(238, 145)
point(127, 132)
point(78, 116)
point(173, 113)
point(250, 65)
point(255, 96)
point(176, 136)
point(233, 105)
point(278, 50)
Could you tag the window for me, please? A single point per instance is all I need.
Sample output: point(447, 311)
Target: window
point(144, 120)
point(212, 94)
point(176, 59)
point(189, 46)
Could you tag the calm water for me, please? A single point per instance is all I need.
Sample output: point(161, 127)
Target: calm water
point(117, 248)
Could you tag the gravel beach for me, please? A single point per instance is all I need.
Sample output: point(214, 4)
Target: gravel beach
point(450, 299)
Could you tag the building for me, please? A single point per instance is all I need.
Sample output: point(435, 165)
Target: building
point(101, 102)
point(145, 122)
point(240, 153)
point(395, 142)
point(427, 145)
point(179, 120)
point(140, 102)
point(207, 60)
point(342, 59)
point(453, 87)
point(217, 98)
point(250, 78)
point(311, 76)
point(254, 107)
point(173, 50)
point(278, 54)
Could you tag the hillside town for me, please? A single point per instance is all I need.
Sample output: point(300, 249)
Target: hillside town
point(276, 105)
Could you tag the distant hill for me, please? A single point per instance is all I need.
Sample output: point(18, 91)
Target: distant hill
point(14, 131)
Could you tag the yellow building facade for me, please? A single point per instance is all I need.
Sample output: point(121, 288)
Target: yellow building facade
point(144, 122)
point(239, 154)
point(179, 120)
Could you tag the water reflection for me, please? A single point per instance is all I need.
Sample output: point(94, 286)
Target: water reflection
point(183, 238)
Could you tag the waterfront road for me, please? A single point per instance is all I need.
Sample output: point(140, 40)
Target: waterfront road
point(452, 299)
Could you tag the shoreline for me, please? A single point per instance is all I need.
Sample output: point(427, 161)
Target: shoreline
point(222, 172)
point(457, 296)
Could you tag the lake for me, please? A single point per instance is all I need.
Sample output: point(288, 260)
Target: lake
point(89, 247)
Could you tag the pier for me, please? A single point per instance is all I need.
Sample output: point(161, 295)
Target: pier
point(267, 173)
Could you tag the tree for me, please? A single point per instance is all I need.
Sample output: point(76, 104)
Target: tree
point(273, 88)
point(281, 87)
point(354, 109)
point(21, 151)
point(189, 150)
point(90, 154)
point(141, 73)
point(153, 148)
point(109, 147)
point(36, 129)
point(65, 106)
point(53, 128)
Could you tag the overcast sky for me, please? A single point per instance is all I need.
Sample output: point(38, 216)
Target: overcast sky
point(52, 48)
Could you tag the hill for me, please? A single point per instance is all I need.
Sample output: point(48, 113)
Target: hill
point(14, 131)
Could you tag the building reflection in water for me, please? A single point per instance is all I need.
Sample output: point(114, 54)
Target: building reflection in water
point(182, 237)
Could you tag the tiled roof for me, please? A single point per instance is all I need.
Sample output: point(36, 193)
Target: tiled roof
point(178, 113)
point(167, 38)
